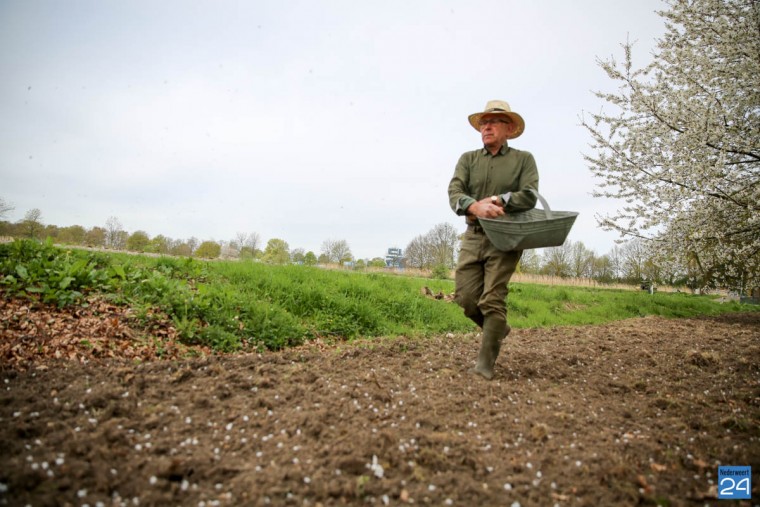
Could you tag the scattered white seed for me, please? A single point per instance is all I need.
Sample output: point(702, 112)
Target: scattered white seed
point(376, 467)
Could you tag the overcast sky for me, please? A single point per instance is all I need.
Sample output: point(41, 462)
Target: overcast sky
point(298, 120)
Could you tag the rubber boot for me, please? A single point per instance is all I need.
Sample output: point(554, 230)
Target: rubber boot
point(495, 329)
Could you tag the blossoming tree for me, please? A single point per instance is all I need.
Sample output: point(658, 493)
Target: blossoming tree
point(682, 147)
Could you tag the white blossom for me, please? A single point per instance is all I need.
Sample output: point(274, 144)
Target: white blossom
point(682, 149)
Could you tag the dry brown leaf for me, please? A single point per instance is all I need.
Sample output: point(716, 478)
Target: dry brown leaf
point(642, 482)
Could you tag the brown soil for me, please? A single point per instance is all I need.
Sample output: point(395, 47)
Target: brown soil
point(635, 412)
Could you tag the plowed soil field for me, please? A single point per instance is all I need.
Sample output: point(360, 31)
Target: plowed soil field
point(637, 412)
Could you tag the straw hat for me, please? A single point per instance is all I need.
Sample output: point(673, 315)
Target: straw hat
point(500, 108)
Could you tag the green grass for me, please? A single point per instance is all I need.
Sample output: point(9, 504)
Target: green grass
point(230, 305)
point(541, 306)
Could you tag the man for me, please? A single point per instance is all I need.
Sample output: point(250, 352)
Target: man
point(488, 183)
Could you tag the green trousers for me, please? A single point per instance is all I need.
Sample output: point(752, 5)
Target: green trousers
point(482, 276)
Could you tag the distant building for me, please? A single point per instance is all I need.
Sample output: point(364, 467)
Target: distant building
point(393, 258)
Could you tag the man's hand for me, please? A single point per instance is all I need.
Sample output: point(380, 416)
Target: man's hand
point(484, 208)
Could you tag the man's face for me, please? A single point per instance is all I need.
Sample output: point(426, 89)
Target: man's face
point(494, 130)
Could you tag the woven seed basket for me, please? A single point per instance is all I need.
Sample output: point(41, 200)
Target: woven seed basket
point(529, 229)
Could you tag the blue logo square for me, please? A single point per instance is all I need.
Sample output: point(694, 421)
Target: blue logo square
point(734, 483)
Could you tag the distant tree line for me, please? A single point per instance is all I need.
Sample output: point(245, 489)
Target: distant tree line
point(438, 248)
point(628, 263)
point(245, 246)
point(632, 262)
point(111, 236)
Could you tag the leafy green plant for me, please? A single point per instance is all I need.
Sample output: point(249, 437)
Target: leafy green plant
point(220, 339)
point(440, 271)
point(62, 278)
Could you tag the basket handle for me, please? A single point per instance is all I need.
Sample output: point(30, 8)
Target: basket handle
point(544, 204)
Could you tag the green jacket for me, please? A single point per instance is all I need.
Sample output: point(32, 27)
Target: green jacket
point(508, 174)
